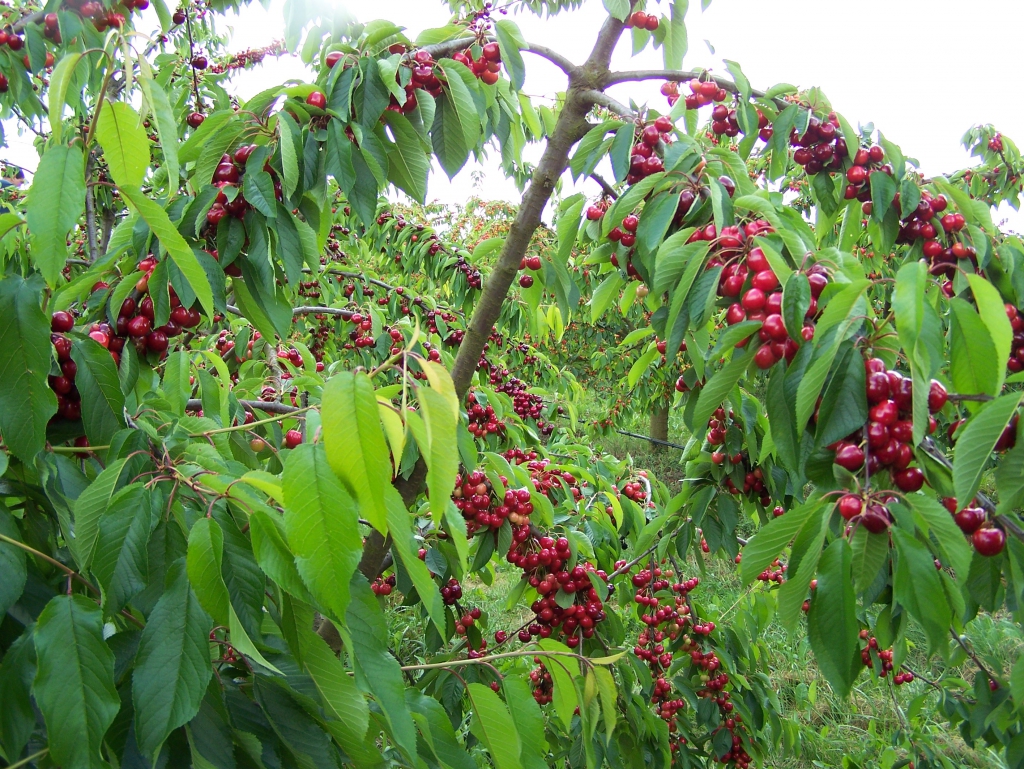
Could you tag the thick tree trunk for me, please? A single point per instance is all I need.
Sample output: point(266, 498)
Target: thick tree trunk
point(659, 426)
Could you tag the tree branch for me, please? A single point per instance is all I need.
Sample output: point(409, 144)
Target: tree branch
point(602, 99)
point(553, 56)
point(605, 187)
point(90, 212)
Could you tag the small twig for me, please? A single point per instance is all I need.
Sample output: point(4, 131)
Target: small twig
point(970, 653)
point(29, 759)
point(606, 188)
point(192, 55)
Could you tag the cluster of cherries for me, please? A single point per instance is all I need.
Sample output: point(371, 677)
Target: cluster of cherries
point(884, 659)
point(15, 43)
point(383, 585)
point(528, 263)
point(454, 336)
point(527, 405)
point(821, 147)
point(643, 158)
point(540, 677)
point(1016, 361)
point(724, 123)
point(361, 334)
point(228, 176)
point(663, 627)
point(467, 620)
point(774, 572)
point(635, 491)
point(545, 480)
point(987, 538)
point(642, 20)
point(747, 276)
point(886, 441)
point(451, 592)
point(228, 653)
point(482, 419)
point(702, 92)
point(543, 561)
point(475, 498)
point(487, 66)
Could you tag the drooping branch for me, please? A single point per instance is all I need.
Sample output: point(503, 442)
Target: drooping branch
point(602, 99)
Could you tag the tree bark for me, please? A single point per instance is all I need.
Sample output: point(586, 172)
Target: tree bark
point(659, 426)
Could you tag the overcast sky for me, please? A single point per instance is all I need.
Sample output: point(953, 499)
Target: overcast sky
point(923, 71)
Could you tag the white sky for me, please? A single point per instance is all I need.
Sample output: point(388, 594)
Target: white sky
point(923, 71)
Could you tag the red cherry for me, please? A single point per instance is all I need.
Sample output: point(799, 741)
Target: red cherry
point(909, 480)
point(885, 412)
point(856, 174)
point(970, 519)
point(765, 357)
point(765, 280)
point(937, 396)
point(753, 299)
point(317, 99)
point(850, 506)
point(651, 136)
point(333, 58)
point(735, 314)
point(138, 326)
point(525, 281)
point(630, 223)
point(775, 327)
point(849, 456)
point(989, 541)
point(62, 321)
point(156, 340)
point(292, 438)
point(877, 387)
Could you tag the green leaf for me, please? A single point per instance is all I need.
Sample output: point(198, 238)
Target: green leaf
point(561, 667)
point(273, 554)
point(288, 134)
point(447, 136)
point(993, 314)
point(844, 405)
point(675, 45)
point(801, 569)
point(460, 83)
point(203, 563)
point(400, 526)
point(74, 683)
point(212, 126)
point(172, 666)
point(908, 302)
point(408, 165)
point(440, 410)
point(98, 382)
point(603, 296)
point(510, 40)
point(18, 715)
point(125, 144)
point(936, 520)
point(338, 691)
point(975, 366)
point(55, 202)
point(617, 8)
point(12, 564)
point(180, 251)
point(977, 442)
point(258, 188)
point(720, 385)
point(494, 727)
point(376, 670)
point(918, 587)
point(640, 365)
point(26, 401)
point(766, 545)
point(90, 505)
point(869, 552)
point(832, 620)
point(656, 218)
point(883, 191)
point(528, 719)
point(56, 96)
point(355, 443)
point(121, 558)
point(796, 299)
point(846, 308)
point(322, 526)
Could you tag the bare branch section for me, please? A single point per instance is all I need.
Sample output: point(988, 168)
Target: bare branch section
point(678, 76)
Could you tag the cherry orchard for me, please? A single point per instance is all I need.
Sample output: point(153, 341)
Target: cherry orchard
point(240, 528)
